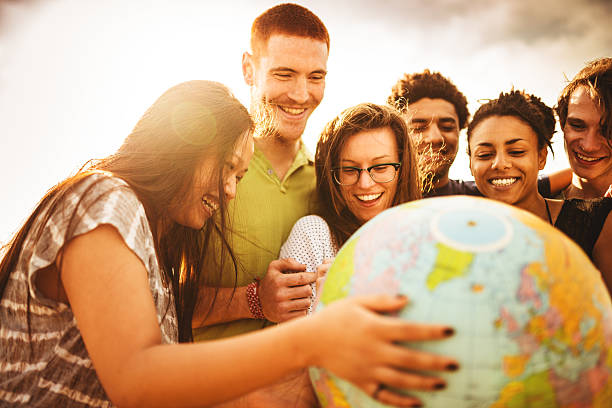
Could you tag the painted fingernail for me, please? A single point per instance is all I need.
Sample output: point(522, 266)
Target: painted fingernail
point(439, 386)
point(449, 331)
point(452, 367)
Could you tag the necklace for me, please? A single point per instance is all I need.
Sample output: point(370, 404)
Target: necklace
point(548, 212)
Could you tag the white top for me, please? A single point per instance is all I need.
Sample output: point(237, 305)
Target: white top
point(310, 242)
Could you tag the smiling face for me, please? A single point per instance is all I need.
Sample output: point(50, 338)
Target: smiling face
point(202, 198)
point(589, 153)
point(289, 79)
point(367, 198)
point(435, 132)
point(505, 159)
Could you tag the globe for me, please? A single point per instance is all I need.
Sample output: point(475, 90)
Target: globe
point(532, 316)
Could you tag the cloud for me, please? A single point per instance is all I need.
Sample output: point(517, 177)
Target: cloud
point(551, 20)
point(482, 23)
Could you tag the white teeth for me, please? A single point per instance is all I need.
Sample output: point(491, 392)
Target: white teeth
point(369, 197)
point(586, 158)
point(503, 182)
point(293, 111)
point(212, 206)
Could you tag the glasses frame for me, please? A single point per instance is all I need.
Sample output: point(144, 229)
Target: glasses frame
point(396, 166)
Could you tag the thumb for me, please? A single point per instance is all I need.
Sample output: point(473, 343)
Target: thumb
point(322, 270)
point(382, 303)
point(319, 284)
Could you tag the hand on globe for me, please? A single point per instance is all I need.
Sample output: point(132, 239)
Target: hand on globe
point(360, 344)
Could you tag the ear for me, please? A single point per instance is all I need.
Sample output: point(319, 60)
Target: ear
point(247, 68)
point(542, 154)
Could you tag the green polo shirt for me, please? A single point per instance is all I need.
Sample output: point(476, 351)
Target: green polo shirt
point(260, 218)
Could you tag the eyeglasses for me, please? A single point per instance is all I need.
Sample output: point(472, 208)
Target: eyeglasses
point(380, 173)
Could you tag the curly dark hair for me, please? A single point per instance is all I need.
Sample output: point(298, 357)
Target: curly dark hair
point(359, 118)
point(530, 109)
point(412, 87)
point(596, 76)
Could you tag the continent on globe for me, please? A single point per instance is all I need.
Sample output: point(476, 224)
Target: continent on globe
point(450, 264)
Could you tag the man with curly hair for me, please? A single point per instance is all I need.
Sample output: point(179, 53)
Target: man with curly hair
point(436, 111)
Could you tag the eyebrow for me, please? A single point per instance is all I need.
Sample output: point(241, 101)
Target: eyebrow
point(509, 142)
point(317, 71)
point(236, 162)
point(441, 119)
point(375, 158)
point(512, 141)
point(235, 159)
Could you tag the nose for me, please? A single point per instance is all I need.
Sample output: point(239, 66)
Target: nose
point(501, 162)
point(365, 180)
point(432, 136)
point(592, 141)
point(230, 188)
point(299, 90)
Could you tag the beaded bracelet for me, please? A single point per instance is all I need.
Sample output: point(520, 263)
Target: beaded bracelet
point(253, 300)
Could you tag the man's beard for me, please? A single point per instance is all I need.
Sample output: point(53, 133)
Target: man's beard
point(267, 123)
point(265, 118)
point(441, 172)
point(434, 166)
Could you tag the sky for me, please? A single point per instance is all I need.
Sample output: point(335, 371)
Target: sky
point(76, 75)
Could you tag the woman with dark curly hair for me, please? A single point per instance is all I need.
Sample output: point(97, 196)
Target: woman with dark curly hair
point(507, 143)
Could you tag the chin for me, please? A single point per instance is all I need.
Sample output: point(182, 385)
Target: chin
point(441, 173)
point(362, 218)
point(367, 217)
point(289, 133)
point(195, 224)
point(590, 174)
point(506, 199)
